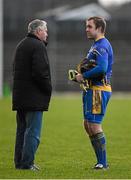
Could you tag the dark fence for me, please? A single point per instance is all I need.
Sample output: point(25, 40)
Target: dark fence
point(68, 45)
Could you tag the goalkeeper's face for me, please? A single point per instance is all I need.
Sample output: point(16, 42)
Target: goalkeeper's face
point(91, 30)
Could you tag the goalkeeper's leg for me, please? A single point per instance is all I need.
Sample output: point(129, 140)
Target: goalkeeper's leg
point(98, 142)
point(93, 118)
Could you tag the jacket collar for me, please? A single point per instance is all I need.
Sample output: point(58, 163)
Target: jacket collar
point(32, 36)
point(35, 37)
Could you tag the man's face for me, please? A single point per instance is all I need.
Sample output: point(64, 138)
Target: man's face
point(43, 34)
point(91, 30)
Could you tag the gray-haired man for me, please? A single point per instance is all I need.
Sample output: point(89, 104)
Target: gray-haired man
point(31, 92)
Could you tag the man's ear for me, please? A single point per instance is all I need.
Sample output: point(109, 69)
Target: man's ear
point(99, 29)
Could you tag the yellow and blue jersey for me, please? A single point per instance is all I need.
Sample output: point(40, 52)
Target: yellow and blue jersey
point(101, 52)
point(96, 98)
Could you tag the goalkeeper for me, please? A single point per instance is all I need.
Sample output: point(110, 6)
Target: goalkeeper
point(98, 93)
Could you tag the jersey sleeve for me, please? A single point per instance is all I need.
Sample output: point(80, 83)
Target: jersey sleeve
point(101, 56)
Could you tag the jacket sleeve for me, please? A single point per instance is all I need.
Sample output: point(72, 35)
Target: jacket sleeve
point(102, 64)
point(40, 68)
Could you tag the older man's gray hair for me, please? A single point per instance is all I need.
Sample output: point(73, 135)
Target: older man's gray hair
point(35, 24)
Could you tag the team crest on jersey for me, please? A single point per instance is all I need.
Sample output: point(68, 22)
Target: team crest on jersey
point(102, 50)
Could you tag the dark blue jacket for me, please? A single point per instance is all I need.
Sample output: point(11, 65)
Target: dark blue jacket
point(31, 76)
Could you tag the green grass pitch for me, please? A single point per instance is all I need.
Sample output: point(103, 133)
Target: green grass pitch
point(65, 151)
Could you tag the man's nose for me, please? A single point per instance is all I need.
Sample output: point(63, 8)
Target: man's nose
point(86, 29)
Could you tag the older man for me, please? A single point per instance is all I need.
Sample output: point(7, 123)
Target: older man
point(31, 92)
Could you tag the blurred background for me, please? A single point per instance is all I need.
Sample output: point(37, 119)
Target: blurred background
point(67, 38)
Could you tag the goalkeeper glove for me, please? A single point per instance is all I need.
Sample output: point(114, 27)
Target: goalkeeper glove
point(72, 74)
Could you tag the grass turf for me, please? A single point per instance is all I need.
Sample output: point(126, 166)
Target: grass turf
point(65, 151)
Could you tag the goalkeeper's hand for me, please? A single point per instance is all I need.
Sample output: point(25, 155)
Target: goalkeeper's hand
point(75, 76)
point(72, 74)
point(79, 78)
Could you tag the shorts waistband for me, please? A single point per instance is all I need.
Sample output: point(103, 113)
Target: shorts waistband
point(102, 88)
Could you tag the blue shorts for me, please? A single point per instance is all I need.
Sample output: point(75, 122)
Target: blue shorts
point(94, 105)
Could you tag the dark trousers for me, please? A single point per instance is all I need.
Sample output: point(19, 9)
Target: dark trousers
point(27, 137)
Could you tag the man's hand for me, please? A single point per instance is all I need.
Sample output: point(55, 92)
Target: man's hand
point(79, 78)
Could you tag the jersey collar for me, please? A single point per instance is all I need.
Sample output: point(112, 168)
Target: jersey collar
point(101, 37)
